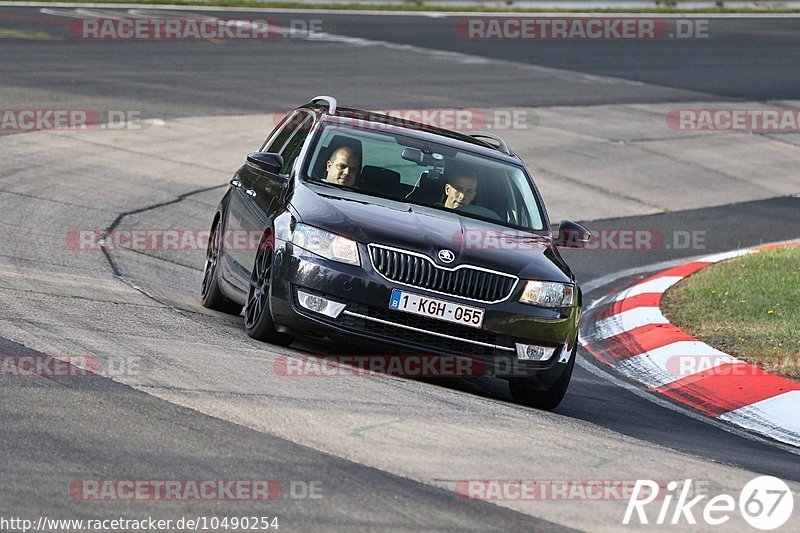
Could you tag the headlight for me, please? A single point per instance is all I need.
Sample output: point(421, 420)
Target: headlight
point(328, 245)
point(548, 294)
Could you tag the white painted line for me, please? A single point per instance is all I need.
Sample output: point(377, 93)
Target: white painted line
point(397, 13)
point(592, 285)
point(672, 362)
point(622, 295)
point(61, 13)
point(454, 57)
point(716, 258)
point(778, 417)
point(657, 285)
point(448, 56)
point(113, 14)
point(628, 320)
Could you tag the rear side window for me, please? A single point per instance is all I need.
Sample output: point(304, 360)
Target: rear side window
point(278, 138)
point(295, 144)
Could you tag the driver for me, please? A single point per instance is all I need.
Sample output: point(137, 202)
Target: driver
point(342, 167)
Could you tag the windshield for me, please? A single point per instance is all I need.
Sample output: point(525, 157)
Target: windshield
point(399, 167)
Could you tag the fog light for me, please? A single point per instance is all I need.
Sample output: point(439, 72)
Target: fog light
point(533, 352)
point(320, 305)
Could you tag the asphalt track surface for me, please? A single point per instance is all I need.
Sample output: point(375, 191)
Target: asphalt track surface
point(748, 59)
point(58, 430)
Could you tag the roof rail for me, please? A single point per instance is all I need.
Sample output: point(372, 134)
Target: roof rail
point(332, 103)
point(503, 146)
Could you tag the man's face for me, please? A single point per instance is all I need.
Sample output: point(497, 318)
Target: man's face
point(460, 191)
point(343, 167)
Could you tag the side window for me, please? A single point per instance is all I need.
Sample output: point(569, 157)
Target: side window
point(278, 137)
point(295, 144)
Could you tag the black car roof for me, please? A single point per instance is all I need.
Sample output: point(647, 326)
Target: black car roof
point(412, 128)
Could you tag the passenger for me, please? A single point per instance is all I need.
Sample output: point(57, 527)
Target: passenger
point(343, 166)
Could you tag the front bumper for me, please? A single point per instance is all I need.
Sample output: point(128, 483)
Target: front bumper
point(368, 319)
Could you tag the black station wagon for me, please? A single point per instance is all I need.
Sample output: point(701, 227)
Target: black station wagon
point(404, 238)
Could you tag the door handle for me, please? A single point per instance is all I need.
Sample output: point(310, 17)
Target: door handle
point(250, 192)
point(236, 183)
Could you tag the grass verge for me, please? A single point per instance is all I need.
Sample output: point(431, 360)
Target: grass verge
point(412, 5)
point(748, 307)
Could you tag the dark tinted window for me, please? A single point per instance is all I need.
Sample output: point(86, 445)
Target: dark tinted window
point(278, 138)
point(295, 144)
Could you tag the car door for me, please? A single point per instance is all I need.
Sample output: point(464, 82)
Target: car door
point(263, 199)
point(238, 249)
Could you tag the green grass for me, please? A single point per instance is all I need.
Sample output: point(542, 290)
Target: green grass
point(24, 34)
point(411, 5)
point(748, 307)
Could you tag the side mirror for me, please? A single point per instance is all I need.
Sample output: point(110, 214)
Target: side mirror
point(268, 162)
point(572, 235)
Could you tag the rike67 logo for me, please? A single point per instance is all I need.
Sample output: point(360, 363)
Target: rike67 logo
point(765, 503)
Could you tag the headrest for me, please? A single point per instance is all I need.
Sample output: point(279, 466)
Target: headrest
point(335, 143)
point(339, 141)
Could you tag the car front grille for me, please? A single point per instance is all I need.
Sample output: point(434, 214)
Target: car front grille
point(418, 270)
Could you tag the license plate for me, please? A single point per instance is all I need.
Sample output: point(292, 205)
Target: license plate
point(440, 309)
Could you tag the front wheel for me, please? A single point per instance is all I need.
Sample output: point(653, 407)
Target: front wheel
point(257, 315)
point(525, 393)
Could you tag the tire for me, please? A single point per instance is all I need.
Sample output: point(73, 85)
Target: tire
point(210, 294)
point(524, 393)
point(257, 315)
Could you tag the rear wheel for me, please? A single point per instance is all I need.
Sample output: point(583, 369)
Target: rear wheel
point(523, 392)
point(210, 294)
point(257, 316)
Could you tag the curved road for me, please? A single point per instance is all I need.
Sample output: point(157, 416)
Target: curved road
point(202, 401)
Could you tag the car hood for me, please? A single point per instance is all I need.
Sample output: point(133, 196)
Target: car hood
point(371, 219)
